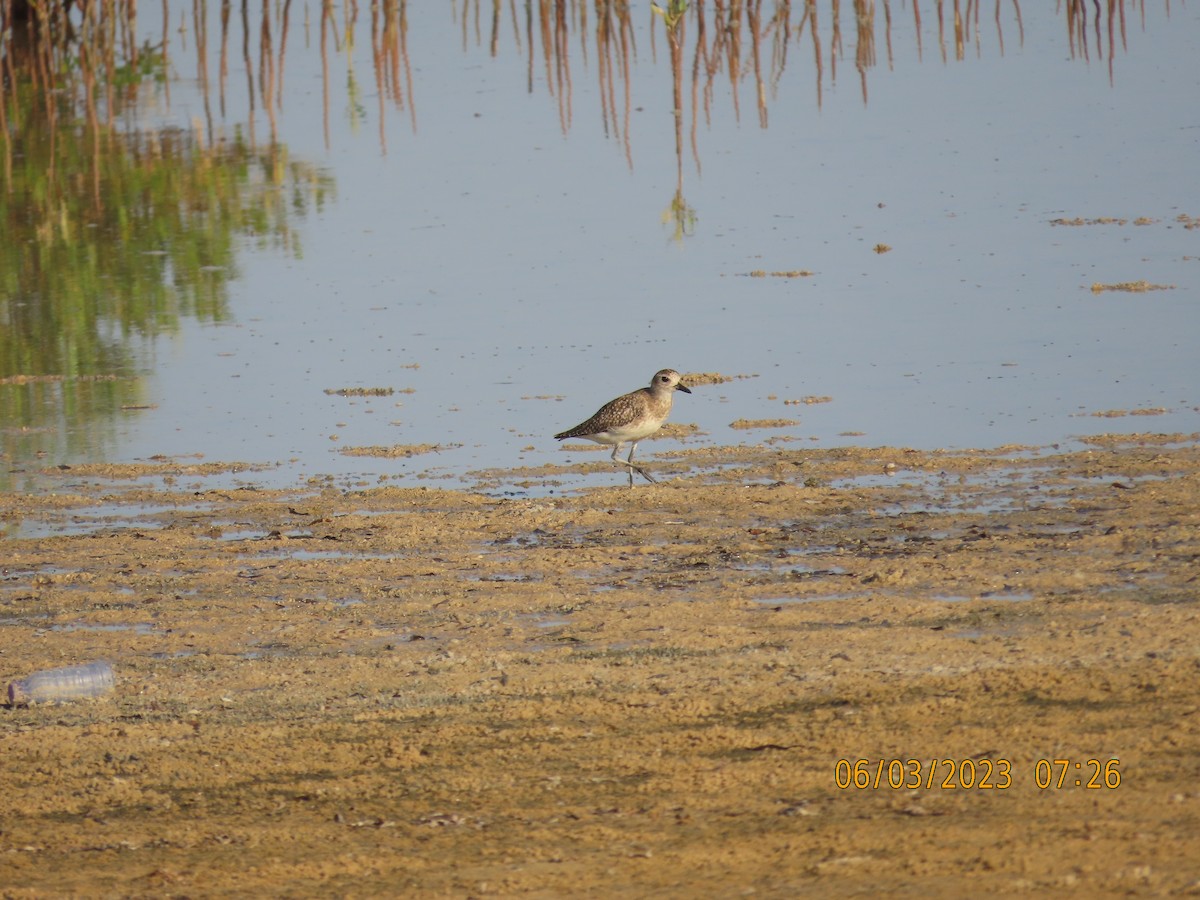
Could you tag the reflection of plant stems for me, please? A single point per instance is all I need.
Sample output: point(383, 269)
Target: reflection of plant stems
point(200, 23)
point(679, 213)
point(249, 66)
point(327, 25)
point(673, 17)
point(389, 50)
point(614, 34)
point(356, 113)
point(864, 48)
point(755, 22)
point(266, 74)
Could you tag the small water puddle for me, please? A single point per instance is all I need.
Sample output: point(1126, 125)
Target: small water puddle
point(287, 551)
point(1009, 597)
point(83, 520)
point(817, 598)
point(134, 627)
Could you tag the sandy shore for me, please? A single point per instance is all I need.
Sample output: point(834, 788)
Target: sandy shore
point(778, 671)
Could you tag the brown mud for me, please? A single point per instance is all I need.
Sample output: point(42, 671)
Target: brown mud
point(639, 691)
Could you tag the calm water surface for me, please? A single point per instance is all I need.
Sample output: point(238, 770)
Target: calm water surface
point(506, 242)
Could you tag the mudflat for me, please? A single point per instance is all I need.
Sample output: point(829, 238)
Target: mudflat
point(778, 671)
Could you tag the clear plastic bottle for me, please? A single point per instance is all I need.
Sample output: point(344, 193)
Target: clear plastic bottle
point(55, 685)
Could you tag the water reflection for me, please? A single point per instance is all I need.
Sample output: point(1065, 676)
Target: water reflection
point(745, 43)
point(112, 234)
point(115, 231)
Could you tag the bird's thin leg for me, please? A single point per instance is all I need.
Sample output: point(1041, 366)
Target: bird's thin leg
point(621, 462)
point(633, 468)
point(629, 464)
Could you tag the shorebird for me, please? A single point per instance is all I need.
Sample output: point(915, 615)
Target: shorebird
point(631, 417)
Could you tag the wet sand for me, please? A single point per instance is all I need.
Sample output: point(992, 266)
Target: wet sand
point(779, 671)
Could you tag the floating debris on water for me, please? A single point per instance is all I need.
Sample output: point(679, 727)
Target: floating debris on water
point(397, 450)
point(1136, 287)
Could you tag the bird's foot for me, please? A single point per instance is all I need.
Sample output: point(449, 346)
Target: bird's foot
point(643, 473)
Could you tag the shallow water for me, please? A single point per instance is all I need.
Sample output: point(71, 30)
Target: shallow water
point(499, 247)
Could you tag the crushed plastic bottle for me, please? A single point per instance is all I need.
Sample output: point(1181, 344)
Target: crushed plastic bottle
point(56, 685)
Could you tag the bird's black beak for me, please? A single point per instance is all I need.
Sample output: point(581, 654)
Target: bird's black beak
point(684, 388)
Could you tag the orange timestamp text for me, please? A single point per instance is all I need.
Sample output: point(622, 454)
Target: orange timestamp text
point(972, 774)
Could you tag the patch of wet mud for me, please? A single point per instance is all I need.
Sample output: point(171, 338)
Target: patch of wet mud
point(430, 691)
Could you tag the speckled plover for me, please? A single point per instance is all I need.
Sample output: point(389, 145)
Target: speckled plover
point(630, 418)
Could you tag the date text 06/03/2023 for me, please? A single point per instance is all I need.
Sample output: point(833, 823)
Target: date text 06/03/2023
point(974, 774)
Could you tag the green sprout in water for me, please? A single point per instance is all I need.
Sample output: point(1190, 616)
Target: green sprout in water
point(681, 217)
point(673, 13)
point(148, 64)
